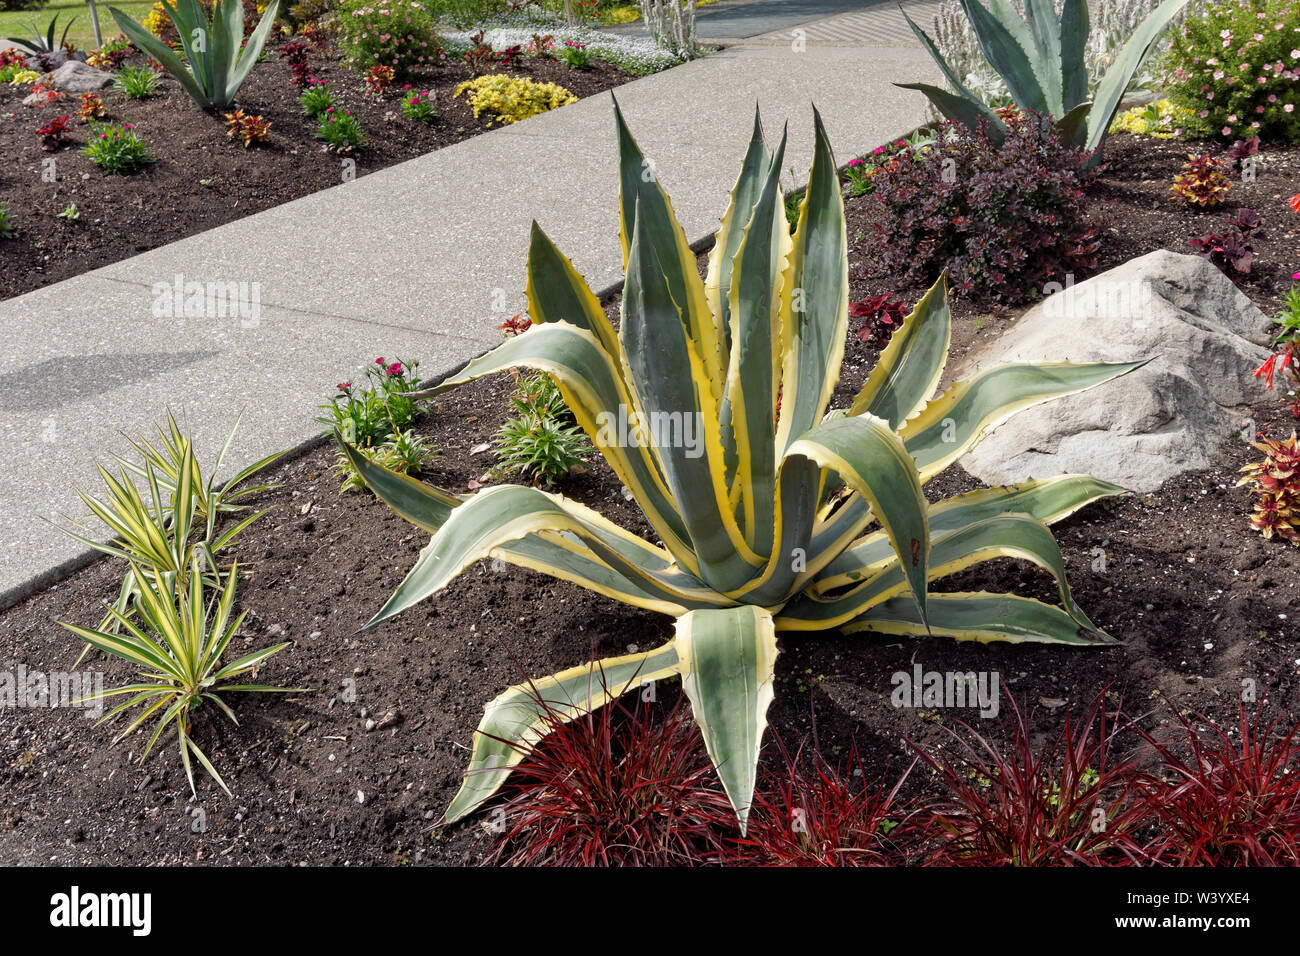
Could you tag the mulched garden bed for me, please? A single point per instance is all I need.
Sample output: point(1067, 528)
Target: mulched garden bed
point(1198, 599)
point(202, 178)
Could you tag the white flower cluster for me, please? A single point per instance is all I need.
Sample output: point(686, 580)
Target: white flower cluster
point(635, 54)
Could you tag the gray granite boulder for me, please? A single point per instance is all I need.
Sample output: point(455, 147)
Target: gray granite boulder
point(76, 77)
point(1205, 338)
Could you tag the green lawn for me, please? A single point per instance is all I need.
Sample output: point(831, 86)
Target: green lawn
point(82, 34)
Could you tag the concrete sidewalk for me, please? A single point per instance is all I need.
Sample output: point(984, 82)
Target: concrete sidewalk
point(414, 261)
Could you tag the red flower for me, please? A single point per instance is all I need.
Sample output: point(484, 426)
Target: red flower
point(1266, 370)
point(1295, 202)
point(395, 369)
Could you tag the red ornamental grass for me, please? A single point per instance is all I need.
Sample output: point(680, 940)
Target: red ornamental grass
point(1066, 803)
point(1226, 802)
point(817, 815)
point(616, 787)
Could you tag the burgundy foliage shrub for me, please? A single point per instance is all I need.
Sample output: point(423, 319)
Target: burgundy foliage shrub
point(1003, 220)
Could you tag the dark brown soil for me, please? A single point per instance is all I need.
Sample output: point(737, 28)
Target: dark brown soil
point(202, 178)
point(1199, 600)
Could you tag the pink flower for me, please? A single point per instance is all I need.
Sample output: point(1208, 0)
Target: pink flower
point(1288, 108)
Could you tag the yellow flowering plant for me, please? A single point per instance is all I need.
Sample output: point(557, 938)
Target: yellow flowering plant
point(513, 98)
point(1162, 119)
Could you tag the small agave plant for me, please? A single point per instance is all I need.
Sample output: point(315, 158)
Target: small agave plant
point(786, 517)
point(1041, 59)
point(218, 58)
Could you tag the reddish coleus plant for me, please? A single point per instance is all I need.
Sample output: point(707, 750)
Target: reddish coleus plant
point(480, 57)
point(295, 54)
point(1242, 150)
point(517, 324)
point(91, 107)
point(1276, 483)
point(882, 316)
point(1232, 249)
point(379, 80)
point(541, 45)
point(1201, 182)
point(247, 129)
point(43, 94)
point(54, 133)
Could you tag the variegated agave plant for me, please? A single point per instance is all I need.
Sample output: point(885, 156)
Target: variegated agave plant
point(784, 518)
point(1041, 57)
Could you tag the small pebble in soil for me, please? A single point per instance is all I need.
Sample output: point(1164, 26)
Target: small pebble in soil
point(370, 725)
point(361, 797)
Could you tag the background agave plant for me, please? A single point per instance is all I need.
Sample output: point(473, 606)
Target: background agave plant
point(784, 517)
point(43, 43)
point(1041, 59)
point(219, 59)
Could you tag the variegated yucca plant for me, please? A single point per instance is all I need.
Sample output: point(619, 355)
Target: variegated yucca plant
point(1041, 60)
point(784, 517)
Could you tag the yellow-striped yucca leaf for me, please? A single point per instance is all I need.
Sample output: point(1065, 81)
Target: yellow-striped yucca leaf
point(773, 511)
point(176, 638)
